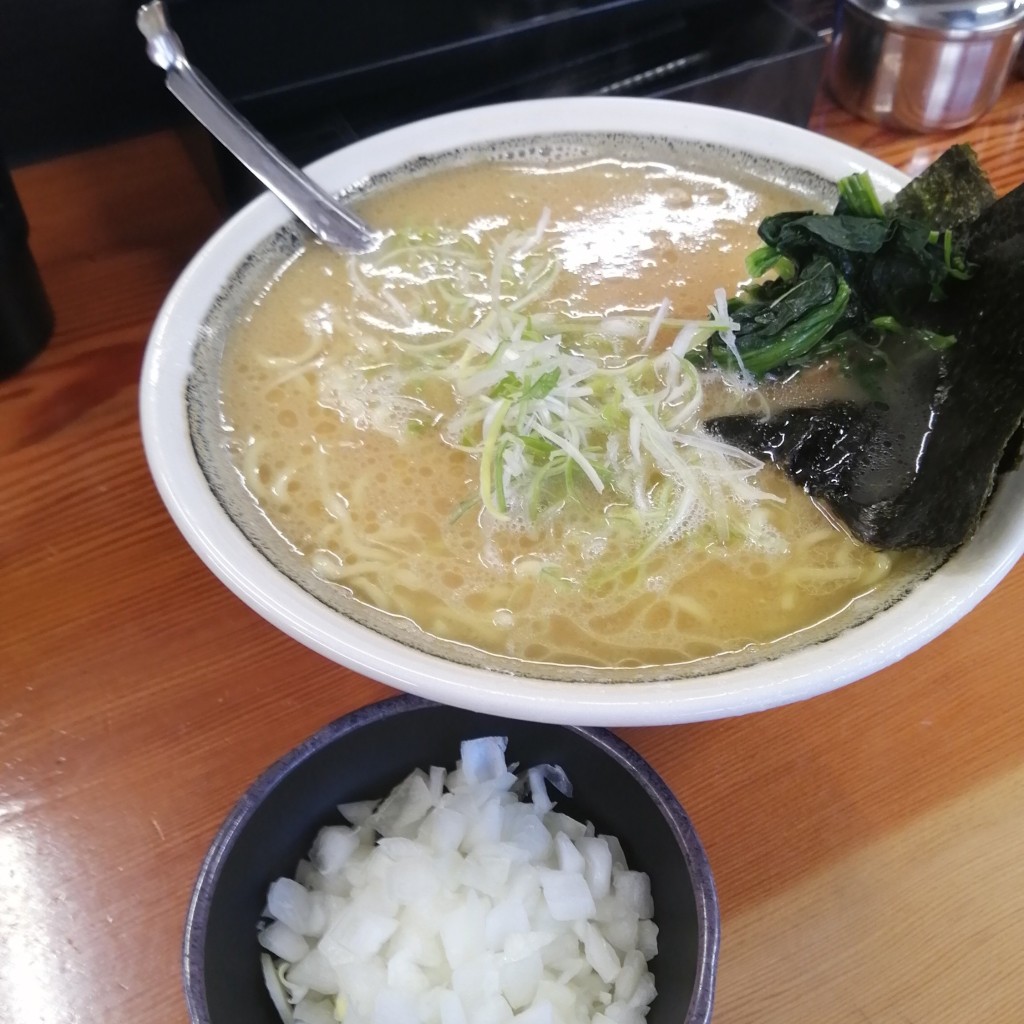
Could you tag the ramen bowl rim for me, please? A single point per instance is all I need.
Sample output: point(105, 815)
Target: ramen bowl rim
point(931, 607)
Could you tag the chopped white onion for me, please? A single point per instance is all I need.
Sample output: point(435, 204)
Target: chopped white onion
point(278, 996)
point(315, 972)
point(358, 811)
point(283, 942)
point(569, 856)
point(633, 888)
point(567, 895)
point(294, 905)
point(484, 759)
point(599, 953)
point(457, 900)
point(332, 847)
point(597, 858)
point(315, 1011)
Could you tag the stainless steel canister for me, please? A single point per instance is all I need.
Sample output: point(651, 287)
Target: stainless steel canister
point(923, 65)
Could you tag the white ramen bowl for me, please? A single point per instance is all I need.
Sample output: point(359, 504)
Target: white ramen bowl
point(169, 386)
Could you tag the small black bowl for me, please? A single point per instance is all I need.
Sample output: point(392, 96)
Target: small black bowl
point(363, 756)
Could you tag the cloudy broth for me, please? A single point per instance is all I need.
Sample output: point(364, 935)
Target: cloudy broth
point(361, 463)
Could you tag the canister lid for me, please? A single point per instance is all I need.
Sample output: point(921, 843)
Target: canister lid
point(961, 17)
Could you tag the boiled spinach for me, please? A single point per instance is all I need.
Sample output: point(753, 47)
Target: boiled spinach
point(837, 278)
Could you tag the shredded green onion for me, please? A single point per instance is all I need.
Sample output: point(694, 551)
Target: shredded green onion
point(554, 408)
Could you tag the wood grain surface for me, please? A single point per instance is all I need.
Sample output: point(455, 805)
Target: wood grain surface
point(868, 845)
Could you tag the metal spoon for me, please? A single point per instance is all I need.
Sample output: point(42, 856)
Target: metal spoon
point(322, 214)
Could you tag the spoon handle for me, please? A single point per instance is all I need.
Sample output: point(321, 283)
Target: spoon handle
point(304, 197)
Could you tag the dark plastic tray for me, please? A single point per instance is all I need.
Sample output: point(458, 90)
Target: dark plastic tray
point(744, 54)
point(258, 49)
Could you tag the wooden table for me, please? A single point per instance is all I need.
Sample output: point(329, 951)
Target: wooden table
point(868, 845)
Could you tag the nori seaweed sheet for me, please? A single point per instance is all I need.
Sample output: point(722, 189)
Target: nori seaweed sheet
point(916, 470)
point(952, 190)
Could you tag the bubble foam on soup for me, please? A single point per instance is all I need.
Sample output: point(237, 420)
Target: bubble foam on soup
point(345, 462)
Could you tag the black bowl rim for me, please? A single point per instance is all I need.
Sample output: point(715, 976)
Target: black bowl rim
point(694, 855)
